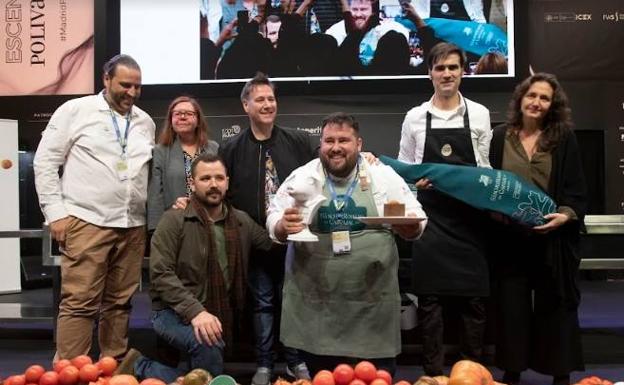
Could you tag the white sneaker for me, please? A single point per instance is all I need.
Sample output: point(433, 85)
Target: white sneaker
point(299, 372)
point(262, 376)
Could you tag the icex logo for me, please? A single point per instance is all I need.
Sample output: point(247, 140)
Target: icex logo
point(486, 180)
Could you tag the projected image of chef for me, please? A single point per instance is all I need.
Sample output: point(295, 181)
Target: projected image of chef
point(358, 16)
point(361, 12)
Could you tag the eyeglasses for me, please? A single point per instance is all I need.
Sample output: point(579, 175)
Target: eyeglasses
point(183, 114)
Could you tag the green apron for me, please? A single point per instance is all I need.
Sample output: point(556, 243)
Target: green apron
point(344, 304)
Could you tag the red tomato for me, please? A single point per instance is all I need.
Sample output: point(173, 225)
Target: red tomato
point(61, 364)
point(379, 381)
point(88, 373)
point(69, 375)
point(123, 379)
point(80, 361)
point(357, 381)
point(323, 377)
point(49, 378)
point(107, 365)
point(19, 379)
point(385, 375)
point(403, 382)
point(343, 374)
point(365, 371)
point(152, 381)
point(34, 373)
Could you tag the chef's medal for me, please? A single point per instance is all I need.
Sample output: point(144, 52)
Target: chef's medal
point(364, 184)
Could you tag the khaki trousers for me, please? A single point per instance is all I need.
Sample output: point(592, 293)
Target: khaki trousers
point(100, 270)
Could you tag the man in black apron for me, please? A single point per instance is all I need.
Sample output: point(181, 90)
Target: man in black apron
point(449, 264)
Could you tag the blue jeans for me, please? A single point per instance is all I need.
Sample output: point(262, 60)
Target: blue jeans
point(266, 278)
point(169, 326)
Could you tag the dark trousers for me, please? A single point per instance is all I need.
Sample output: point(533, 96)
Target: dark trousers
point(431, 322)
point(179, 334)
point(266, 278)
point(535, 329)
point(316, 363)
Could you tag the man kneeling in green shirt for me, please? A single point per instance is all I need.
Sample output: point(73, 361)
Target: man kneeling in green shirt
point(198, 272)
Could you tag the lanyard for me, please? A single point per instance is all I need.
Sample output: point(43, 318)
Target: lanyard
point(340, 203)
point(123, 142)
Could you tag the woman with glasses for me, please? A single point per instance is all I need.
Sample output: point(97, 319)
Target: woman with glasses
point(183, 137)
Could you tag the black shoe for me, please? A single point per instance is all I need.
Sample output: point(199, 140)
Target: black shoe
point(126, 366)
point(511, 378)
point(561, 380)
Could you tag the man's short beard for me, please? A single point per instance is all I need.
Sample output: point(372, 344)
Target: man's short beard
point(342, 173)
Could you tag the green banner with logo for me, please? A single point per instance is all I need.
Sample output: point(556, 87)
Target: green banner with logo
point(483, 188)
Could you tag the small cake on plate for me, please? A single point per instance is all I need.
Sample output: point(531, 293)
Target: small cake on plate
point(394, 209)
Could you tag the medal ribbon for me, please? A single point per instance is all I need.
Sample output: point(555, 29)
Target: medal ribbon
point(340, 203)
point(123, 141)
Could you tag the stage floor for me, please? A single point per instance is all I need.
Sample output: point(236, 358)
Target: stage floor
point(26, 335)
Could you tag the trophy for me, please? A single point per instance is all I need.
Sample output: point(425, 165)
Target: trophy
point(307, 200)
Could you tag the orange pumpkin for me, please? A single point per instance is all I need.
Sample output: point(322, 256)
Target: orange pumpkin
point(467, 372)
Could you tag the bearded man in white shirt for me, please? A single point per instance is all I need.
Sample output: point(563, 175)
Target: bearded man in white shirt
point(96, 210)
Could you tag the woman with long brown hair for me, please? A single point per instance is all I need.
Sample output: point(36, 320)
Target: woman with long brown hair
point(183, 138)
point(536, 273)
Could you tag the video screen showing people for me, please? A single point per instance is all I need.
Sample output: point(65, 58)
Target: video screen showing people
point(317, 39)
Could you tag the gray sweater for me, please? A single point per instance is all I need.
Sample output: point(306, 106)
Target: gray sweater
point(168, 179)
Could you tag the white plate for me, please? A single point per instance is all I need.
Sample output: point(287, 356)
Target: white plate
point(390, 220)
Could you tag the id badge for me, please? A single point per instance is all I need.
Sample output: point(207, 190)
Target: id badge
point(341, 242)
point(122, 169)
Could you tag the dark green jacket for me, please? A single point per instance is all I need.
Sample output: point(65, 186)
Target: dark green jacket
point(179, 259)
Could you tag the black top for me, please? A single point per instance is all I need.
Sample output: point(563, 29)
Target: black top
point(567, 187)
point(245, 158)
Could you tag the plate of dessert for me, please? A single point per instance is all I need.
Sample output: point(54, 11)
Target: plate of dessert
point(394, 214)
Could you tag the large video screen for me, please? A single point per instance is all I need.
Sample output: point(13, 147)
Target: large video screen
point(48, 47)
point(222, 41)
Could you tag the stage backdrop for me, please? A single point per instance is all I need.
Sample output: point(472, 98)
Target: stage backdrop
point(581, 42)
